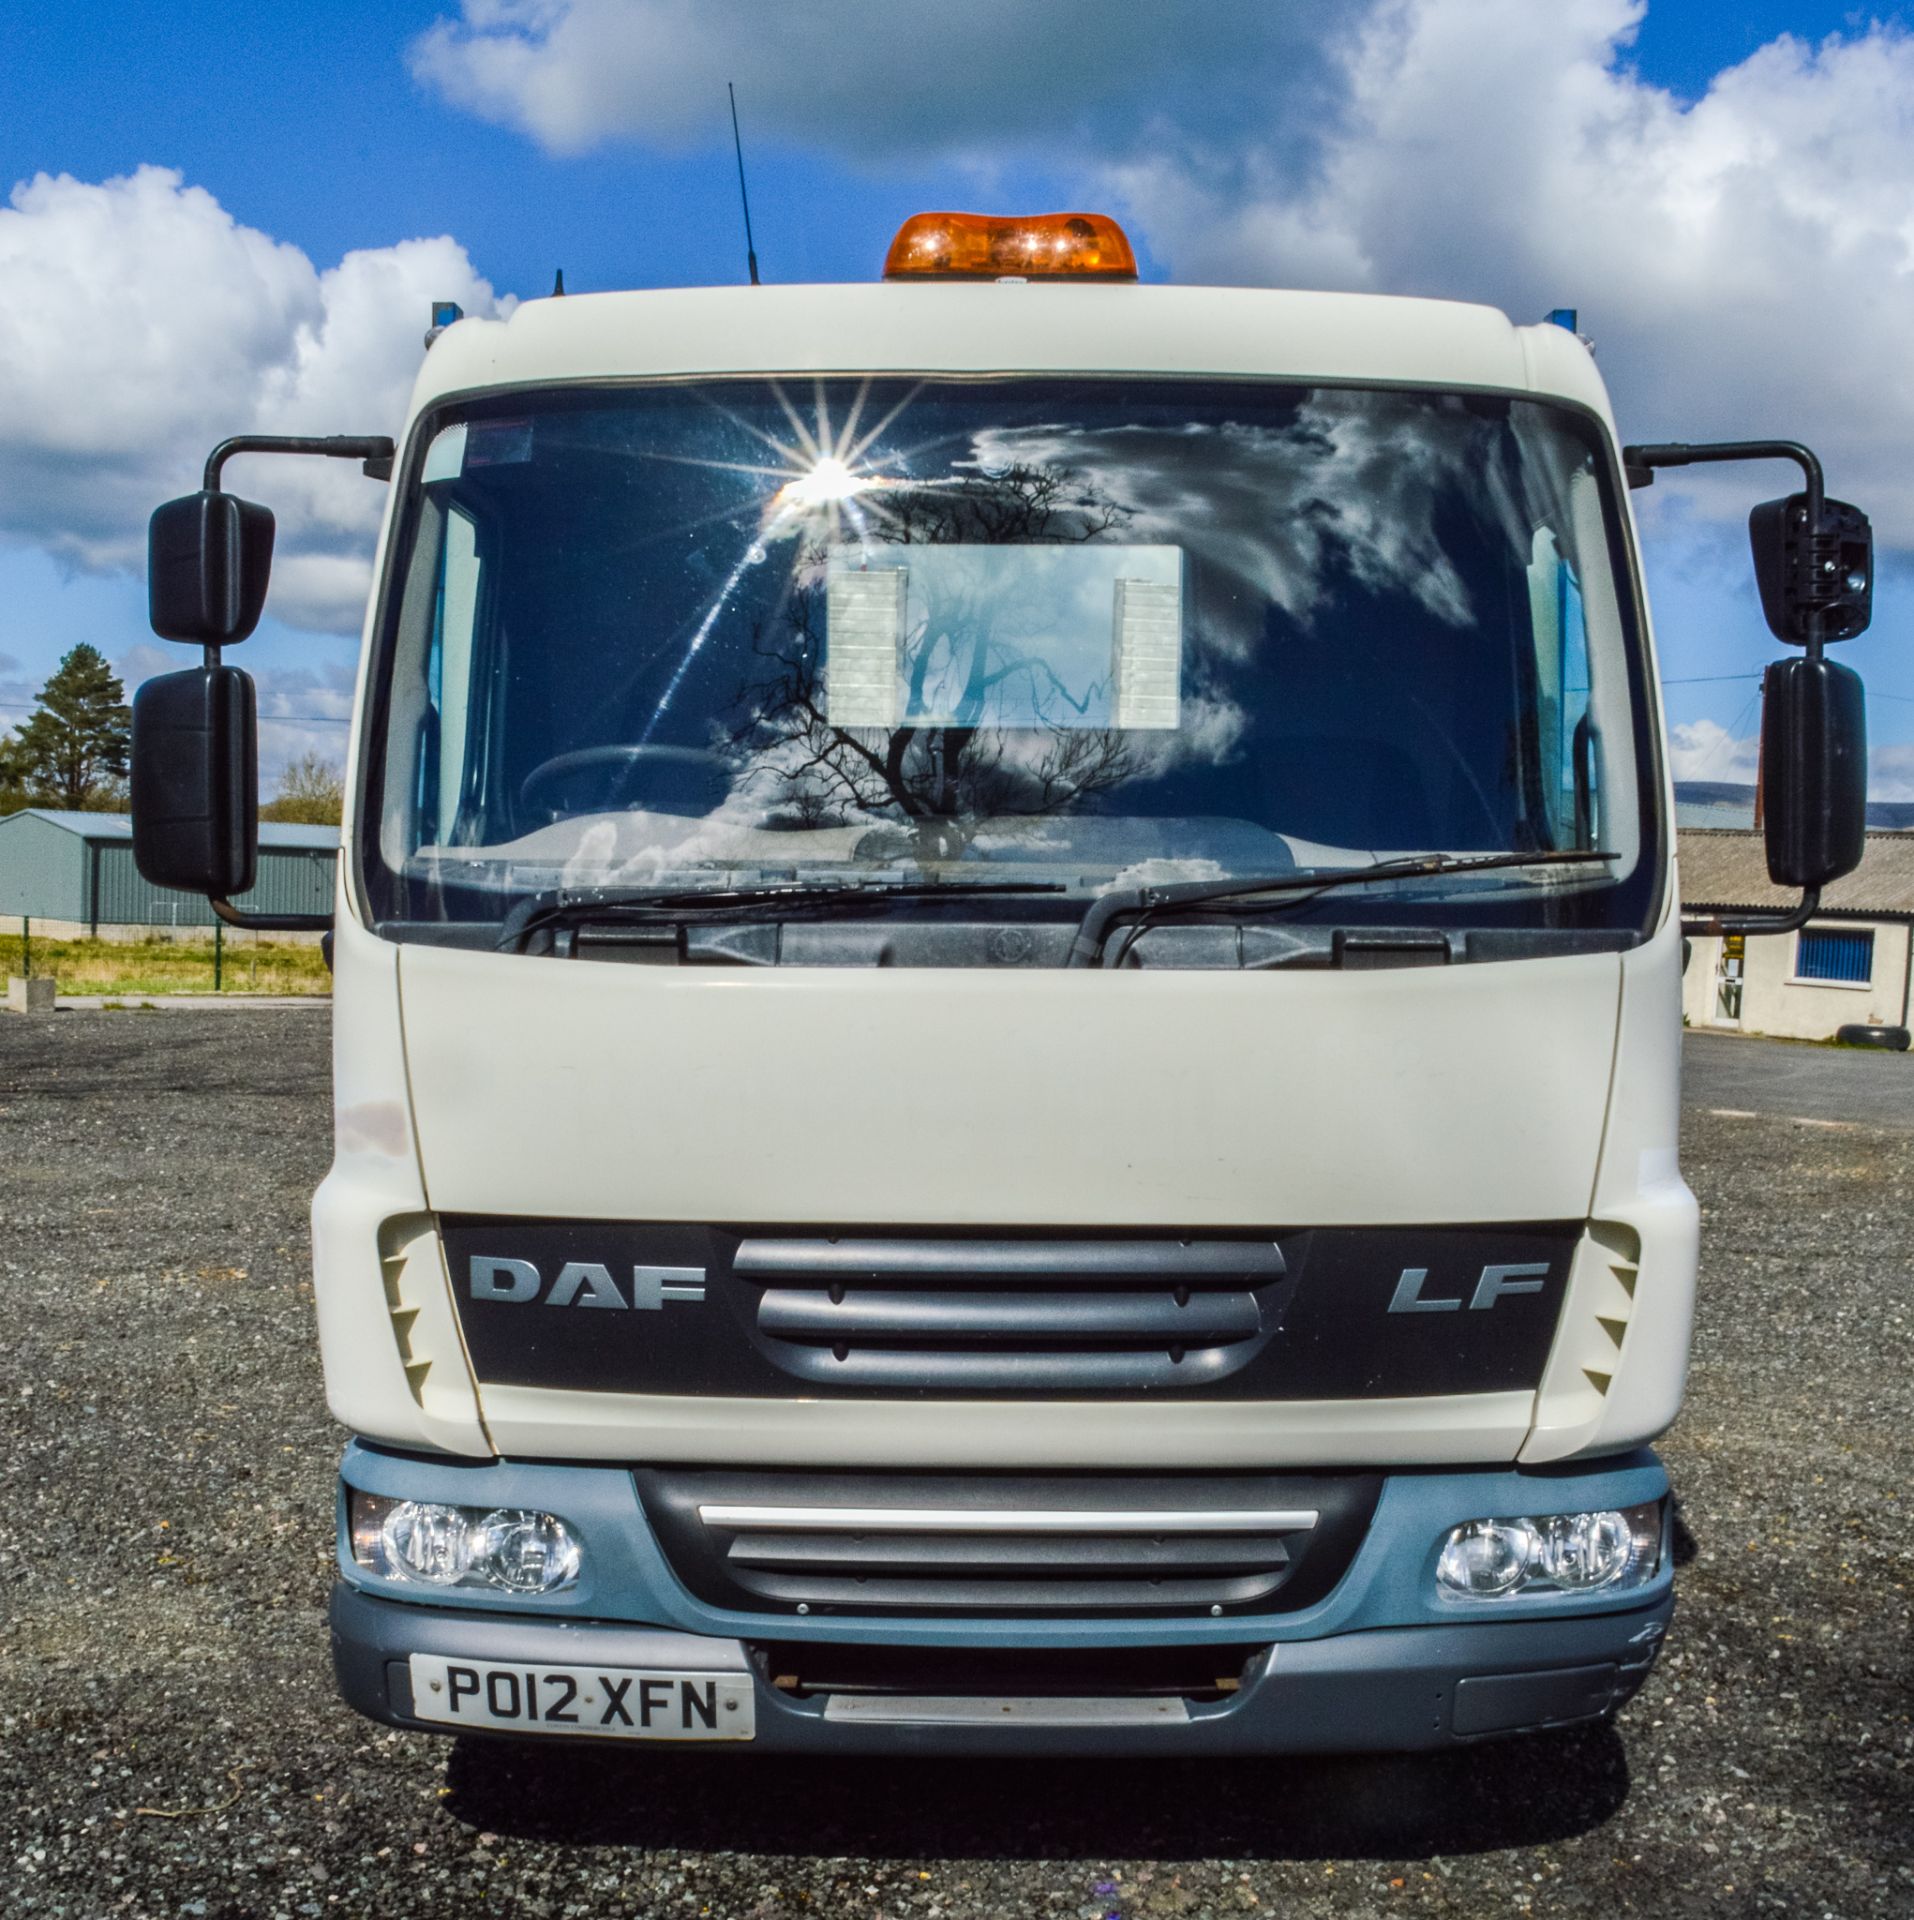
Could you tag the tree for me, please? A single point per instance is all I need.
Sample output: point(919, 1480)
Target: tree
point(72, 752)
point(312, 792)
point(13, 777)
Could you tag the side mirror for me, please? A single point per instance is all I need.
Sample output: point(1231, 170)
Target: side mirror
point(1813, 771)
point(1816, 582)
point(195, 785)
point(209, 557)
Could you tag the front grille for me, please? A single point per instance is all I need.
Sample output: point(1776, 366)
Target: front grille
point(1030, 1315)
point(1007, 1544)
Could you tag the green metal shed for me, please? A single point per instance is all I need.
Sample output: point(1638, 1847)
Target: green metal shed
point(77, 869)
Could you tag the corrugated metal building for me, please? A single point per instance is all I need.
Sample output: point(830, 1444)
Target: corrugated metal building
point(74, 873)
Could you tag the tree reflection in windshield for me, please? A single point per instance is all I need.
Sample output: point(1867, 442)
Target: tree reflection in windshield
point(943, 781)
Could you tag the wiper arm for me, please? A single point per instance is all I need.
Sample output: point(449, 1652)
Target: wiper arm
point(1146, 903)
point(572, 907)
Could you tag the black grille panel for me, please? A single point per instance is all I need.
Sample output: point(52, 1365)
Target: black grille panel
point(1007, 1544)
point(1027, 1315)
point(783, 1311)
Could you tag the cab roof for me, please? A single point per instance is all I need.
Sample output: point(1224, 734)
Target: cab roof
point(1008, 328)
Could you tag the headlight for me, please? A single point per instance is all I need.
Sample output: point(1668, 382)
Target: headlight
point(418, 1541)
point(426, 1543)
point(1610, 1550)
point(1486, 1558)
point(525, 1552)
point(1587, 1549)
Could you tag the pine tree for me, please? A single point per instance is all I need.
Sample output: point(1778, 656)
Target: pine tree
point(73, 751)
point(13, 777)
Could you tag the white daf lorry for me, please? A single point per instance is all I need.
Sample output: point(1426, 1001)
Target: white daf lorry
point(1007, 1023)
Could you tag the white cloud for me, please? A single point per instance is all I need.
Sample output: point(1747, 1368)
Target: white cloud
point(140, 323)
point(1703, 750)
point(301, 709)
point(871, 78)
point(1891, 773)
point(1386, 465)
point(1746, 264)
point(17, 690)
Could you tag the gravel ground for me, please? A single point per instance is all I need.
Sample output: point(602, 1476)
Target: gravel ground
point(171, 1745)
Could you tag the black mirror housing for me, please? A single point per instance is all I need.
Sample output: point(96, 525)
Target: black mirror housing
point(1813, 771)
point(195, 784)
point(1815, 582)
point(209, 557)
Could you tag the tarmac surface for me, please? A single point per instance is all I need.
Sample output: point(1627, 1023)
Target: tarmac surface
point(1858, 1086)
point(170, 1745)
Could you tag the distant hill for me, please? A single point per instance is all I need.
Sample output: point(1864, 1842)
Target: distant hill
point(1726, 803)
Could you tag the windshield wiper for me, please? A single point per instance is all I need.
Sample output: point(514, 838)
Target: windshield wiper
point(1146, 903)
point(572, 907)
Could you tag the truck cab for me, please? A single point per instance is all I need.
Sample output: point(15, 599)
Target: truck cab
point(772, 1298)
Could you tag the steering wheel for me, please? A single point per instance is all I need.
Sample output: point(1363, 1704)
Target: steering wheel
point(704, 773)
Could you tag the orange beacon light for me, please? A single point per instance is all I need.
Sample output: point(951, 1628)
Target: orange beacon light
point(984, 246)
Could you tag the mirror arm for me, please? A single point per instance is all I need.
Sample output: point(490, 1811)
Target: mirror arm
point(1643, 460)
point(1792, 921)
point(1639, 464)
point(1679, 453)
point(373, 451)
point(269, 922)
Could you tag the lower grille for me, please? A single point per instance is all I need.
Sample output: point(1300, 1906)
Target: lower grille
point(1203, 1672)
point(819, 1543)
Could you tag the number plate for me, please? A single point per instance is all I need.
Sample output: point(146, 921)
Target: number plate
point(615, 1703)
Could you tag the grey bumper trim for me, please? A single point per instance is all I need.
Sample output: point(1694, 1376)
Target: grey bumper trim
point(1388, 1690)
point(1013, 1519)
point(1025, 1710)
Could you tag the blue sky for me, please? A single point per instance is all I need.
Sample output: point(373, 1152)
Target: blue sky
point(324, 129)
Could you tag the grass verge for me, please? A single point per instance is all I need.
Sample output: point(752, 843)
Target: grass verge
point(249, 964)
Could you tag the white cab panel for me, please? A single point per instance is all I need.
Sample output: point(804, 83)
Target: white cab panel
point(395, 1366)
point(1620, 1360)
point(593, 1090)
point(986, 1435)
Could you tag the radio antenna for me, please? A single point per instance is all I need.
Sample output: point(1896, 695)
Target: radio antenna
point(750, 250)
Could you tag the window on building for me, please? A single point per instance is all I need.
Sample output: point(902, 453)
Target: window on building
point(1843, 954)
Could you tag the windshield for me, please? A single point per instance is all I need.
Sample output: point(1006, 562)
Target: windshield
point(1089, 633)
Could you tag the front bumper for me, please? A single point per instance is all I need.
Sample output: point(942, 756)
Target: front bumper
point(1380, 1662)
point(1388, 1689)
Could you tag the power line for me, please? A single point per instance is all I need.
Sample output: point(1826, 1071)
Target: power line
point(1731, 738)
point(1704, 679)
